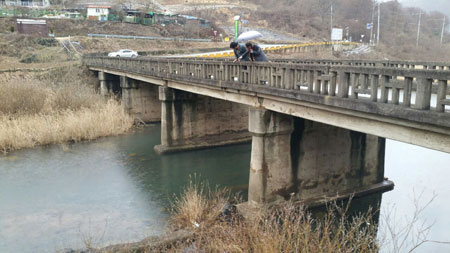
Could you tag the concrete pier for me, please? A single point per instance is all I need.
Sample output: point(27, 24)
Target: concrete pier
point(190, 121)
point(271, 162)
point(141, 99)
point(310, 160)
point(109, 84)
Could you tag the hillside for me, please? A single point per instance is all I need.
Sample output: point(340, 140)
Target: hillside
point(284, 21)
point(311, 20)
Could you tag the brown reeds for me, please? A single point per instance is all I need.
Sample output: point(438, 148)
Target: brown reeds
point(198, 206)
point(36, 113)
point(289, 228)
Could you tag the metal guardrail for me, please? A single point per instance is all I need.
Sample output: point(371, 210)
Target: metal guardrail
point(364, 89)
point(144, 37)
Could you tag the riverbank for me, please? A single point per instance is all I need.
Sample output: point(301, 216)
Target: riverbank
point(204, 221)
point(55, 105)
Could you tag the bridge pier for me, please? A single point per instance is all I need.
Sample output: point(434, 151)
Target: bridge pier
point(191, 121)
point(271, 163)
point(141, 99)
point(109, 84)
point(311, 161)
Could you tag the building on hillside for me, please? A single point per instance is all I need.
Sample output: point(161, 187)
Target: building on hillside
point(26, 3)
point(162, 18)
point(32, 27)
point(133, 16)
point(191, 20)
point(98, 12)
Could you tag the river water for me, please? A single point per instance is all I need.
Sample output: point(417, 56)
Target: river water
point(117, 189)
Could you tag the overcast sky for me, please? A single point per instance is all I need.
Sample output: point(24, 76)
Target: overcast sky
point(428, 5)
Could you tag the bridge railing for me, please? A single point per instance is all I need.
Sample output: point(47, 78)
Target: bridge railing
point(373, 63)
point(359, 63)
point(372, 86)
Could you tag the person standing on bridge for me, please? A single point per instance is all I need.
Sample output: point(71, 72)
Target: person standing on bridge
point(240, 51)
point(256, 53)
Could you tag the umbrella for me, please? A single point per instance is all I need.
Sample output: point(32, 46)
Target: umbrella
point(250, 35)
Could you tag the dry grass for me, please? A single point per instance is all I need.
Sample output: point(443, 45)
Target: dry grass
point(289, 228)
point(198, 206)
point(61, 126)
point(42, 109)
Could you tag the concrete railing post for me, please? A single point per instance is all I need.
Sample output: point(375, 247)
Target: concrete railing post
point(441, 95)
point(355, 84)
point(407, 91)
point(333, 76)
point(344, 81)
point(423, 94)
point(384, 89)
point(374, 87)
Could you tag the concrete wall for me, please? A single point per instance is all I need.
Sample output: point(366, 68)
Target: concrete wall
point(192, 121)
point(141, 99)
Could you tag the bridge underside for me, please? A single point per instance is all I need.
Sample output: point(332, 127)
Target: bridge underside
point(291, 154)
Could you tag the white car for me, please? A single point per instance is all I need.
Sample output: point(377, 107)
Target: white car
point(124, 53)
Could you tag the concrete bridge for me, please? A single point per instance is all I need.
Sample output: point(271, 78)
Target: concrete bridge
point(318, 128)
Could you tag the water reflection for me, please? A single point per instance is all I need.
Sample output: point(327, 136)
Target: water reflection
point(112, 190)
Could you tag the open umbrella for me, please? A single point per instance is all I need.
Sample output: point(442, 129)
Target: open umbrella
point(250, 35)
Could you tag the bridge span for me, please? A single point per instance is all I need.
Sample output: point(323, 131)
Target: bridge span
point(318, 128)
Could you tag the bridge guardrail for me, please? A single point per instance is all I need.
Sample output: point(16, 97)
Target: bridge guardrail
point(359, 63)
point(373, 63)
point(372, 88)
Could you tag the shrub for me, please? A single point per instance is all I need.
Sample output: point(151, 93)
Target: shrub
point(29, 58)
point(198, 206)
point(48, 42)
point(288, 228)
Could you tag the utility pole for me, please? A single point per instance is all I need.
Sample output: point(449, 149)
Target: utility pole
point(331, 21)
point(418, 28)
point(442, 32)
point(371, 26)
point(378, 25)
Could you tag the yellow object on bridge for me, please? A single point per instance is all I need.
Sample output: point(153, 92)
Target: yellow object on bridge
point(277, 48)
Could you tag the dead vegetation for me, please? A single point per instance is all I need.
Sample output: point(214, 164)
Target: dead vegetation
point(55, 106)
point(289, 228)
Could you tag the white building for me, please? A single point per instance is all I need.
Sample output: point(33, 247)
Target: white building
point(98, 12)
point(26, 3)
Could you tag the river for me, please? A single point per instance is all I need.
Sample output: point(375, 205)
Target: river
point(117, 189)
